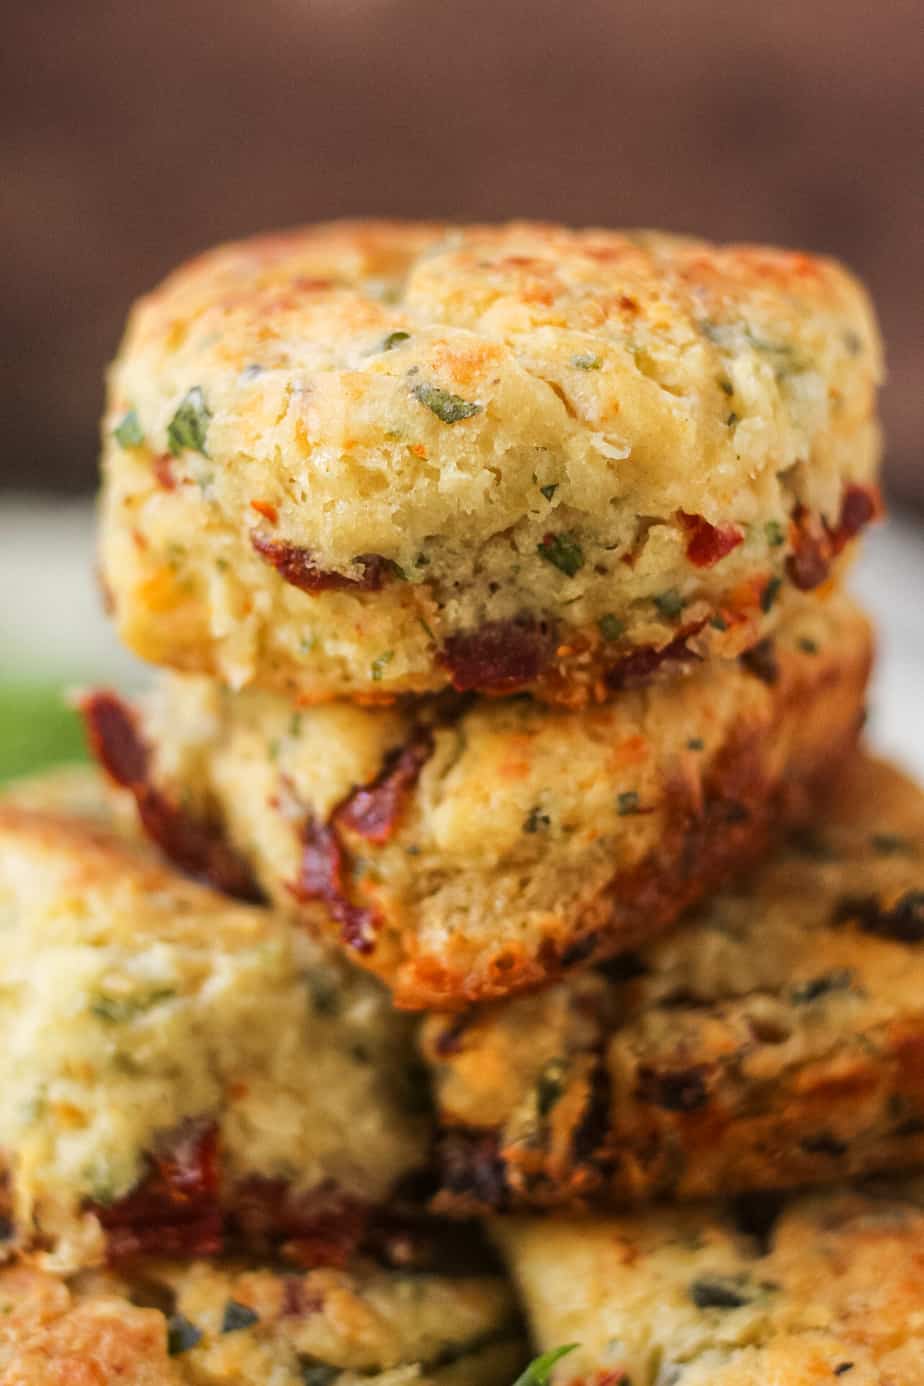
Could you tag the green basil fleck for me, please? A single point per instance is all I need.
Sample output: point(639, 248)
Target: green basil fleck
point(187, 429)
point(669, 603)
point(549, 491)
point(775, 533)
point(539, 1371)
point(733, 419)
point(726, 386)
point(627, 803)
point(718, 1292)
point(696, 743)
point(718, 623)
point(128, 432)
point(238, 1316)
point(378, 665)
point(295, 724)
point(611, 627)
point(118, 1010)
point(587, 361)
point(395, 339)
point(535, 820)
point(317, 1373)
point(550, 1086)
point(807, 645)
point(770, 593)
point(448, 407)
point(563, 551)
point(181, 1335)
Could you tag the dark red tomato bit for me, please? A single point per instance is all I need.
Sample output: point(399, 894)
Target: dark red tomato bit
point(175, 1208)
point(374, 810)
point(808, 565)
point(296, 566)
point(321, 877)
point(707, 543)
point(640, 667)
point(860, 505)
point(500, 656)
point(164, 473)
point(198, 848)
point(324, 1227)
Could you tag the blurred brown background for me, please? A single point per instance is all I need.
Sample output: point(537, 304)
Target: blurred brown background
point(136, 133)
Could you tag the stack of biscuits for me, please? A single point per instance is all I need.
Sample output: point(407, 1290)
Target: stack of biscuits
point(486, 937)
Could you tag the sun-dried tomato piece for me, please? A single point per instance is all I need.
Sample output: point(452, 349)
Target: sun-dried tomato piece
point(196, 847)
point(638, 668)
point(860, 505)
point(707, 543)
point(297, 566)
point(321, 877)
point(175, 1208)
point(374, 810)
point(500, 656)
point(322, 1228)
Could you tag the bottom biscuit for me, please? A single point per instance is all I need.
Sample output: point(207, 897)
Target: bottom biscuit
point(776, 1039)
point(823, 1289)
point(234, 1325)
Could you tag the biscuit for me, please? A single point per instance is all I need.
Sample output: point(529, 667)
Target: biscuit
point(827, 1288)
point(184, 1072)
point(367, 459)
point(468, 849)
point(776, 1039)
point(227, 1324)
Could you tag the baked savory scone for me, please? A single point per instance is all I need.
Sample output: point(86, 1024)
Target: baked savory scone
point(368, 459)
point(466, 849)
point(776, 1039)
point(184, 1072)
point(221, 1324)
point(818, 1290)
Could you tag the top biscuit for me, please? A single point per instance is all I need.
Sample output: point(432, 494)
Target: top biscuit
point(373, 458)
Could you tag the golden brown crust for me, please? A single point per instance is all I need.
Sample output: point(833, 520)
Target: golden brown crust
point(235, 1324)
point(776, 1040)
point(822, 1289)
point(375, 458)
point(463, 853)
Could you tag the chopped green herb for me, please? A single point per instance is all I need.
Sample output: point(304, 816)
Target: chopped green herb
point(669, 603)
point(611, 627)
point(426, 629)
point(725, 386)
point(841, 979)
point(807, 645)
point(378, 665)
point(397, 571)
point(238, 1316)
point(116, 1010)
point(295, 724)
point(181, 1335)
point(422, 561)
point(325, 994)
point(550, 1085)
point(587, 361)
point(448, 407)
point(549, 491)
point(317, 1373)
point(273, 748)
point(718, 1292)
point(539, 1371)
point(891, 845)
point(222, 565)
point(770, 593)
point(627, 803)
point(718, 623)
point(395, 339)
point(535, 820)
point(190, 424)
point(563, 551)
point(732, 419)
point(128, 432)
point(696, 743)
point(775, 534)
